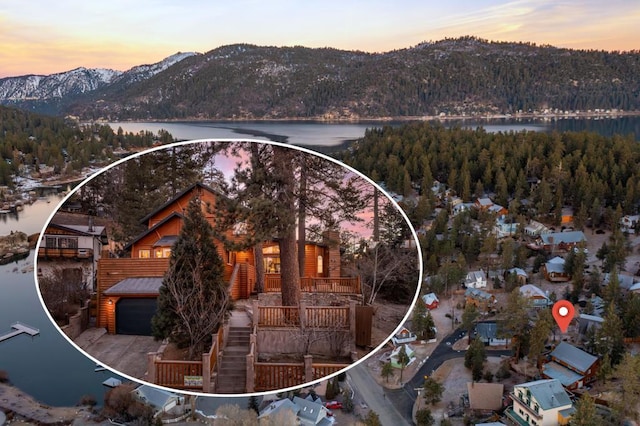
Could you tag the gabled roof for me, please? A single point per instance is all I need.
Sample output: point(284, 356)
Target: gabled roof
point(477, 294)
point(518, 271)
point(155, 397)
point(153, 228)
point(572, 237)
point(277, 406)
point(555, 265)
point(309, 411)
point(574, 357)
point(179, 195)
point(487, 330)
point(146, 285)
point(530, 290)
point(429, 298)
point(548, 393)
point(85, 230)
point(485, 396)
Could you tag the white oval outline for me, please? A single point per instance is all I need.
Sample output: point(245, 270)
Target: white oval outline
point(220, 395)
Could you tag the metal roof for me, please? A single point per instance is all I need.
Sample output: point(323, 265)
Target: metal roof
point(147, 286)
point(572, 237)
point(559, 372)
point(165, 241)
point(548, 393)
point(574, 357)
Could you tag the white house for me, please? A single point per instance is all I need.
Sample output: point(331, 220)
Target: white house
point(540, 403)
point(476, 279)
point(628, 223)
point(72, 247)
point(160, 400)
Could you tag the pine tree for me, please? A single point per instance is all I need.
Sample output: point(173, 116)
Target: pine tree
point(585, 414)
point(193, 298)
point(387, 370)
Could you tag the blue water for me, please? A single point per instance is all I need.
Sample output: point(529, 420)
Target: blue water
point(320, 134)
point(45, 366)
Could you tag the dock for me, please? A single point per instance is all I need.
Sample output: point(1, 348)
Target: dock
point(19, 328)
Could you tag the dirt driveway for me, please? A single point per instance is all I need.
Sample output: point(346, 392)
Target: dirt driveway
point(126, 354)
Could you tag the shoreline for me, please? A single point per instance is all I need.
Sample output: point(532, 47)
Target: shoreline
point(352, 120)
point(13, 400)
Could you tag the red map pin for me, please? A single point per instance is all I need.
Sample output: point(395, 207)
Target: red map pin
point(563, 312)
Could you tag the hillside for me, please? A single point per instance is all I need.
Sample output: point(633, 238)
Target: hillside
point(464, 76)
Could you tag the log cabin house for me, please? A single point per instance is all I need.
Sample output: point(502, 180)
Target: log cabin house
point(128, 287)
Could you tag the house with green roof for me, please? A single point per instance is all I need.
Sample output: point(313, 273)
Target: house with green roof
point(540, 403)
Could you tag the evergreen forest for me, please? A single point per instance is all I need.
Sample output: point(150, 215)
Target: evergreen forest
point(463, 76)
point(535, 173)
point(29, 141)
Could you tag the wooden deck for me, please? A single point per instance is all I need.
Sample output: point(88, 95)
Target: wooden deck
point(19, 328)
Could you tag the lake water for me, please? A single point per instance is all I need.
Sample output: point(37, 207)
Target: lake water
point(328, 136)
point(32, 218)
point(45, 366)
point(50, 368)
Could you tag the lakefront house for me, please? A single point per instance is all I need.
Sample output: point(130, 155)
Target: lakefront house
point(128, 287)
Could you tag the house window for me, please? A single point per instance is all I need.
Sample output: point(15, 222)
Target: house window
point(320, 265)
point(144, 254)
point(50, 242)
point(272, 265)
point(66, 242)
point(271, 259)
point(162, 252)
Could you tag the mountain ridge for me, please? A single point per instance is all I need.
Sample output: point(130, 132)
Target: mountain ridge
point(458, 76)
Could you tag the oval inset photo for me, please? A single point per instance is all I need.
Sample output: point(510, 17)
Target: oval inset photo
point(228, 267)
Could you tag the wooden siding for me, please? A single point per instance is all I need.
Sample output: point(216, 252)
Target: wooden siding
point(180, 206)
point(111, 272)
point(172, 227)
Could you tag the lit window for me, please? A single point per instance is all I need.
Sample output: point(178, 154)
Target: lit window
point(144, 254)
point(320, 265)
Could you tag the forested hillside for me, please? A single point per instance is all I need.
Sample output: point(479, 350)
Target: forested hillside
point(540, 171)
point(29, 141)
point(454, 76)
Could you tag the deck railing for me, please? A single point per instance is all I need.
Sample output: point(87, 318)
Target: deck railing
point(343, 285)
point(179, 374)
point(322, 370)
point(327, 316)
point(279, 316)
point(270, 376)
point(337, 317)
point(188, 375)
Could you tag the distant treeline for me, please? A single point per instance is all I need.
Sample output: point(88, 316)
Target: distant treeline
point(534, 173)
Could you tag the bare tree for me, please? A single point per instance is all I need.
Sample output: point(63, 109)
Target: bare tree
point(62, 291)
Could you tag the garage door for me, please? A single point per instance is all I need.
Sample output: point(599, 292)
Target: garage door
point(133, 315)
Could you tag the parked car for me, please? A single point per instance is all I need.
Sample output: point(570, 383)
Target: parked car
point(332, 405)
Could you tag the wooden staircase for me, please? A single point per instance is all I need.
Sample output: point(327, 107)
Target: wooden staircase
point(232, 369)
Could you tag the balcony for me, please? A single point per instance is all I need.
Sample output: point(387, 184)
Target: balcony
point(342, 285)
point(67, 253)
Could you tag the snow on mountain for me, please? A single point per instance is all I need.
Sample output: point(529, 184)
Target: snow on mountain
point(78, 81)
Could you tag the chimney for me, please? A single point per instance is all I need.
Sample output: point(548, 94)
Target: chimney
point(90, 224)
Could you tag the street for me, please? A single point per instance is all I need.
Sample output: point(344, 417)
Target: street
point(368, 391)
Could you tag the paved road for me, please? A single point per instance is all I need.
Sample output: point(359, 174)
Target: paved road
point(404, 398)
point(368, 391)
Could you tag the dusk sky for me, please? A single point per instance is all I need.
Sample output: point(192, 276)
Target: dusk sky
point(40, 37)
